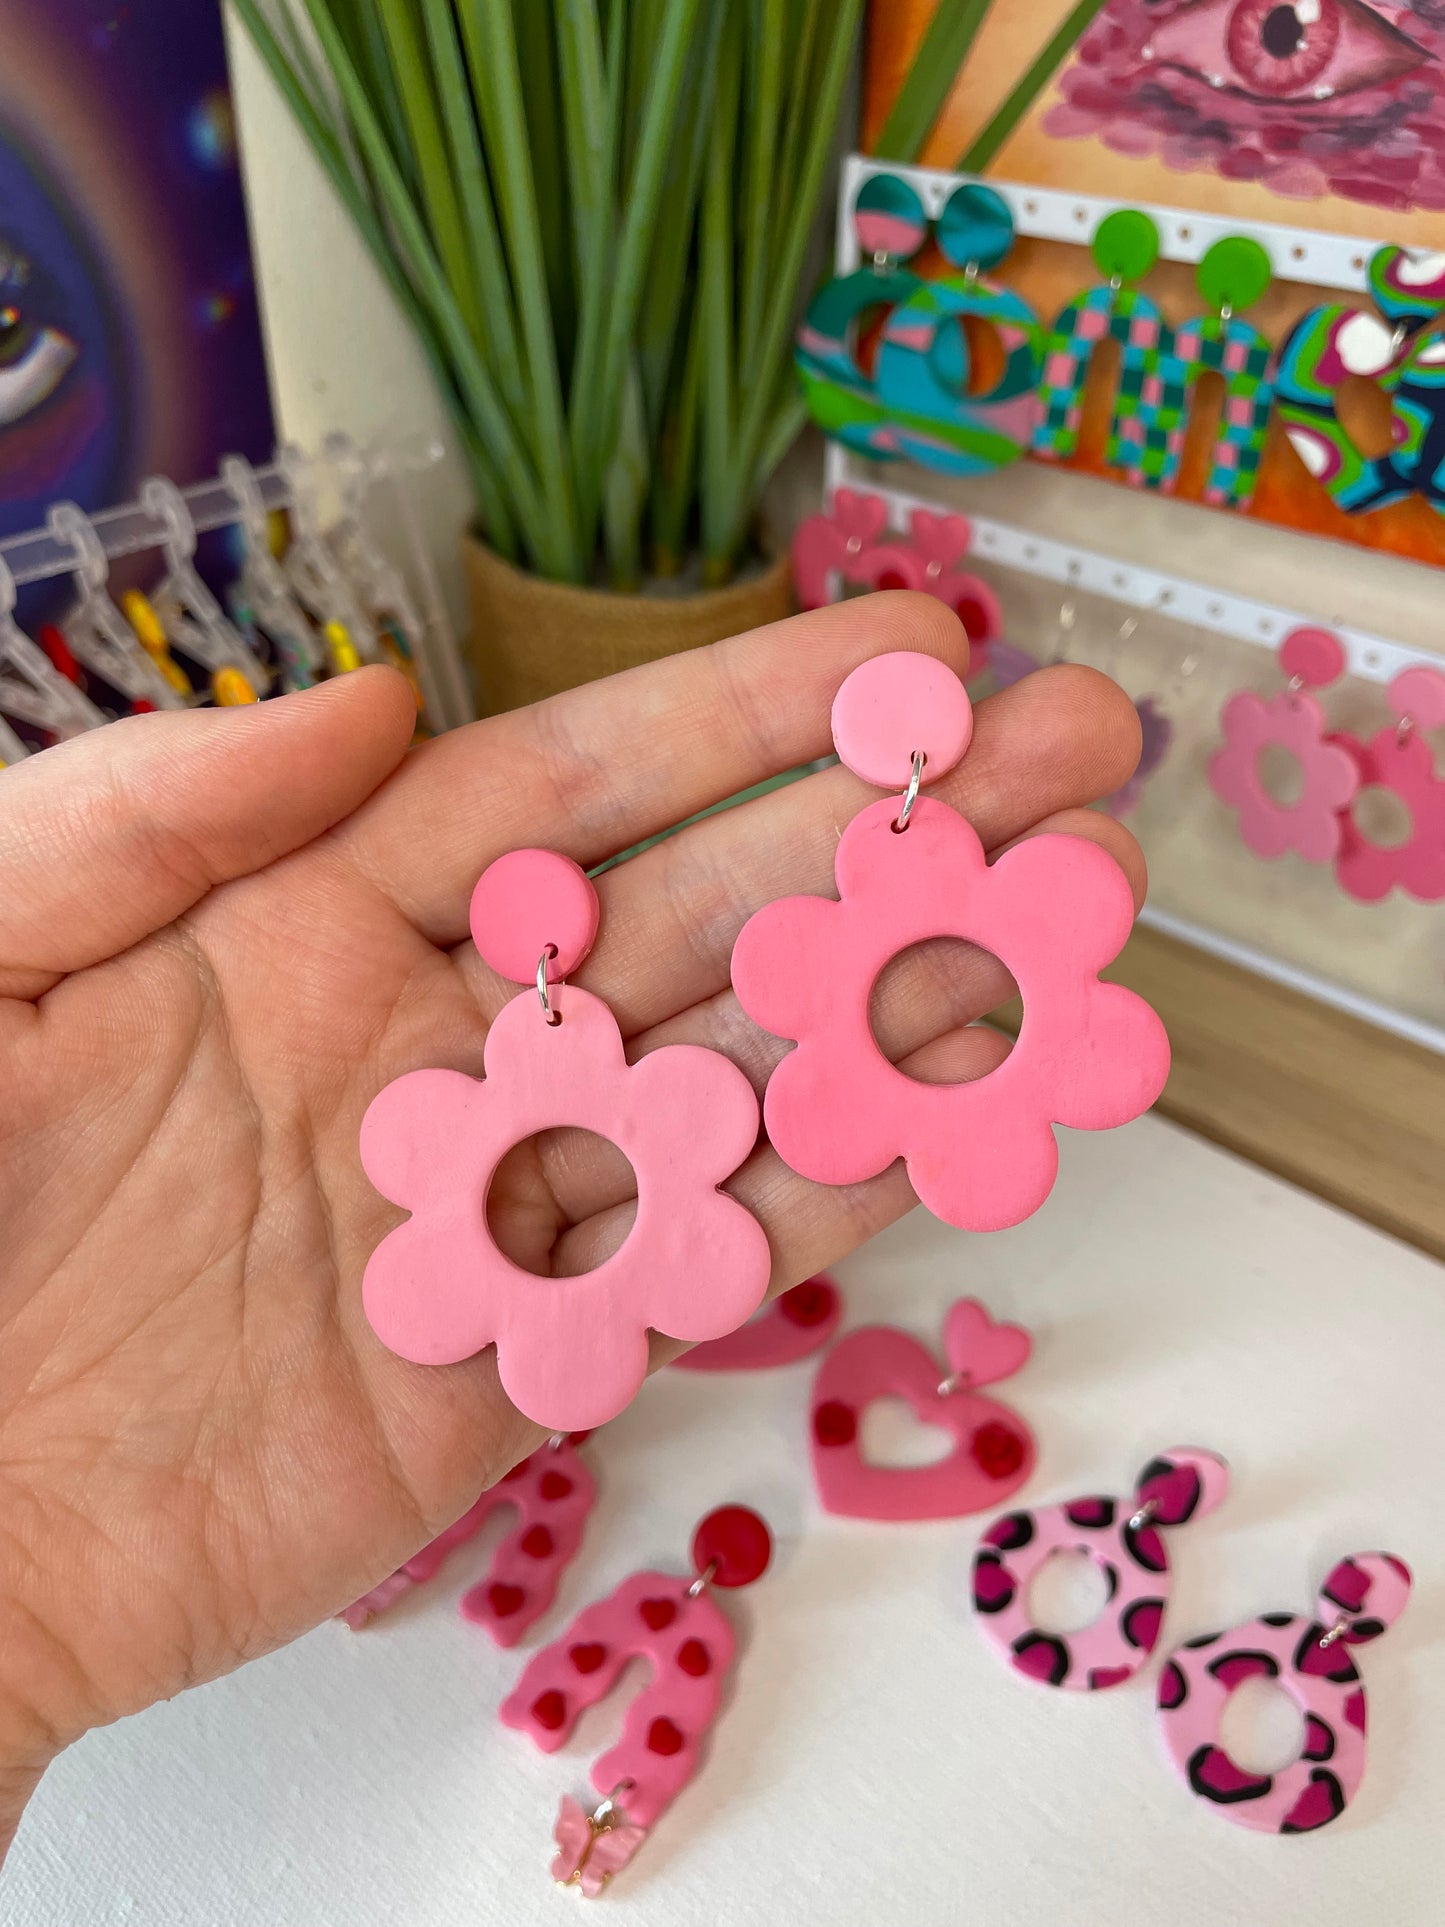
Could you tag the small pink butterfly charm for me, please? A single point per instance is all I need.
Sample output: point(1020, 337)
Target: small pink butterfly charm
point(591, 1847)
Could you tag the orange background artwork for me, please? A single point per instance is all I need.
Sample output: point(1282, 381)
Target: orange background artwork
point(1049, 274)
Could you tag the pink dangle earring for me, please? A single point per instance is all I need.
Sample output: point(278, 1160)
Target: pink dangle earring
point(994, 1450)
point(1400, 759)
point(1310, 1658)
point(1055, 909)
point(675, 1625)
point(1124, 1538)
point(794, 1326)
point(571, 1352)
point(1292, 721)
point(552, 1494)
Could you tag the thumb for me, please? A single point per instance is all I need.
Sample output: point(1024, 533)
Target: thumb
point(113, 835)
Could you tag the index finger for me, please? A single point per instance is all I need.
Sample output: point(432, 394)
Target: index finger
point(598, 769)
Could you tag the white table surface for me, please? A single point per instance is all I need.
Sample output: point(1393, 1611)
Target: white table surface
point(877, 1765)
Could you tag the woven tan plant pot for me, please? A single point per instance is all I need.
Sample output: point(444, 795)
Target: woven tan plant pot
point(531, 638)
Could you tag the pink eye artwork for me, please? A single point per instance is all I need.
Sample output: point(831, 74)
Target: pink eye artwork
point(1304, 97)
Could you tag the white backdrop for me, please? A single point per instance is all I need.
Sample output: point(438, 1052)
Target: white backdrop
point(876, 1764)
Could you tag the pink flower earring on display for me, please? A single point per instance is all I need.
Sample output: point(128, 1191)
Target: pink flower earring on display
point(794, 1326)
point(1310, 1658)
point(994, 1451)
point(552, 1493)
point(689, 1645)
point(571, 1352)
point(1293, 721)
point(1125, 1540)
point(1055, 909)
point(1400, 759)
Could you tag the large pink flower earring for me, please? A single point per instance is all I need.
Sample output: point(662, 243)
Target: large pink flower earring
point(1055, 909)
point(1292, 721)
point(1400, 759)
point(571, 1352)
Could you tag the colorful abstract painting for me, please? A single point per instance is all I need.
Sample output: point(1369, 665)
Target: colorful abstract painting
point(130, 341)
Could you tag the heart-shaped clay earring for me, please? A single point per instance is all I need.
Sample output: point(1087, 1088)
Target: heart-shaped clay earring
point(794, 1326)
point(551, 1493)
point(993, 1452)
point(688, 1643)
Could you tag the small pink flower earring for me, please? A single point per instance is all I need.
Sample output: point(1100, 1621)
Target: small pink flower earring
point(1400, 759)
point(1124, 1537)
point(1055, 909)
point(552, 1493)
point(994, 1451)
point(1293, 721)
point(571, 1352)
point(689, 1645)
point(1309, 1657)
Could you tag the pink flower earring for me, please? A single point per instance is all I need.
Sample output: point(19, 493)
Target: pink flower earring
point(1310, 1658)
point(689, 1645)
point(1400, 759)
point(794, 1326)
point(1125, 1539)
point(552, 1493)
point(1293, 721)
point(1055, 909)
point(571, 1352)
point(994, 1451)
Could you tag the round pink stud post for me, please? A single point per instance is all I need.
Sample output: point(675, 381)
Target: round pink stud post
point(895, 707)
point(530, 903)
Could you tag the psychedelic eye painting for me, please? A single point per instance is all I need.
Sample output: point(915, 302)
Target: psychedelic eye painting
point(130, 339)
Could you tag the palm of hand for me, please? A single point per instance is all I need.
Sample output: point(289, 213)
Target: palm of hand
point(203, 1449)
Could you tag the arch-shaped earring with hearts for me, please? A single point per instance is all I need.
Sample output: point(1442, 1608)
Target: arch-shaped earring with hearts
point(993, 1452)
point(1126, 1540)
point(689, 1644)
point(1055, 909)
point(1311, 1657)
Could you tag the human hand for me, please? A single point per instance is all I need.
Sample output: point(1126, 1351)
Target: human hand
point(220, 935)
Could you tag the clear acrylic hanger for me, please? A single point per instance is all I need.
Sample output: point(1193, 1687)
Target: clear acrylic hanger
point(261, 591)
point(97, 632)
point(311, 568)
point(32, 689)
point(192, 618)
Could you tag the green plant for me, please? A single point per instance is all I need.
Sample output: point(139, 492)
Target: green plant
point(595, 216)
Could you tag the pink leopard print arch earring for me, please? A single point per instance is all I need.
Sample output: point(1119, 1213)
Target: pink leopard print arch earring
point(1293, 721)
point(1311, 1657)
point(1125, 1538)
point(1055, 909)
point(674, 1624)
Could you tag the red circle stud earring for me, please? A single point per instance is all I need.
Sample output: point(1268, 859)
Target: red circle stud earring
point(1055, 910)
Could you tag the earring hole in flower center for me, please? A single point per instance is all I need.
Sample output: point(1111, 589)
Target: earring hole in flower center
point(562, 1202)
point(1281, 775)
point(927, 994)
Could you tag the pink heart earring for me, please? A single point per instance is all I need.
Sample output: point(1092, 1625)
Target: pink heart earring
point(688, 1642)
point(794, 1326)
point(1055, 909)
point(1125, 1539)
point(1292, 721)
point(994, 1451)
point(1400, 759)
point(1310, 1658)
point(552, 1493)
point(571, 1352)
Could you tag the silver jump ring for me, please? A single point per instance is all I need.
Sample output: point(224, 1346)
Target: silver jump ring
point(1142, 1517)
point(548, 954)
point(953, 1383)
point(704, 1579)
point(1337, 1631)
point(910, 795)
